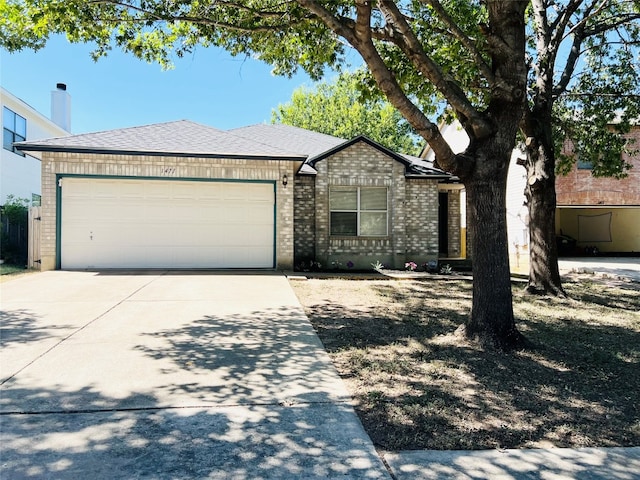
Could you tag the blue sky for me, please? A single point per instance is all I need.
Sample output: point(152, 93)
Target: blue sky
point(209, 87)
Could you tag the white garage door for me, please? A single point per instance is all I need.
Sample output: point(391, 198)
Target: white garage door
point(123, 223)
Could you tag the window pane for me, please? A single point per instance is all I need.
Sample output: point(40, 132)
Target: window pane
point(343, 199)
point(8, 119)
point(344, 223)
point(373, 223)
point(21, 126)
point(373, 198)
point(584, 165)
point(7, 139)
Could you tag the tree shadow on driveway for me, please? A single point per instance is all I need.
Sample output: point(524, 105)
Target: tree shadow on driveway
point(255, 442)
point(233, 396)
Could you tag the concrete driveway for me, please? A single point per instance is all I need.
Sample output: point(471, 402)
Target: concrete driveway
point(170, 375)
point(627, 268)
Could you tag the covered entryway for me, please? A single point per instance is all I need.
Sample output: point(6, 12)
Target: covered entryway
point(156, 223)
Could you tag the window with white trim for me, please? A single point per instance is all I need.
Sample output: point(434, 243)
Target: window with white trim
point(358, 211)
point(14, 129)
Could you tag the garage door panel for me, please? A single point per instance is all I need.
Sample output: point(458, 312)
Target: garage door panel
point(127, 223)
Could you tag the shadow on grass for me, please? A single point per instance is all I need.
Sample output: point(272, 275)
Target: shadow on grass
point(419, 386)
point(621, 294)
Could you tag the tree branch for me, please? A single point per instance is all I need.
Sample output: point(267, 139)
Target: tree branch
point(604, 26)
point(457, 32)
point(361, 39)
point(412, 48)
point(570, 66)
point(334, 24)
point(202, 20)
point(580, 32)
point(543, 67)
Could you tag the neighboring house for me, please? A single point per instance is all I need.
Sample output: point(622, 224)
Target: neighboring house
point(184, 195)
point(19, 171)
point(601, 212)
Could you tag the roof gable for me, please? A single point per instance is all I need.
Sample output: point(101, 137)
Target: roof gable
point(414, 166)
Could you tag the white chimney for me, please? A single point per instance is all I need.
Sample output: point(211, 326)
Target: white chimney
point(61, 107)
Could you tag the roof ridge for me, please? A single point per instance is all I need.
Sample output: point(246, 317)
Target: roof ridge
point(284, 125)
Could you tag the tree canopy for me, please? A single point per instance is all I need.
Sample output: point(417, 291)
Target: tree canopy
point(584, 88)
point(339, 108)
point(469, 54)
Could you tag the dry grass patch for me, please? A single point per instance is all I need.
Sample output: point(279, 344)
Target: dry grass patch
point(418, 385)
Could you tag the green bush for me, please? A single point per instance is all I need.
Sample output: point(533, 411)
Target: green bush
point(14, 215)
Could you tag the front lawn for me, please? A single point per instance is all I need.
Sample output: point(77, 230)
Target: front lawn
point(10, 269)
point(418, 385)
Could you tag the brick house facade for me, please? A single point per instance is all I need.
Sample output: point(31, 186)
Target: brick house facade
point(297, 170)
point(601, 212)
point(412, 210)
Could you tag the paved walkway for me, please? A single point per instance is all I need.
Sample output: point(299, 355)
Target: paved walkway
point(534, 464)
point(168, 375)
point(626, 268)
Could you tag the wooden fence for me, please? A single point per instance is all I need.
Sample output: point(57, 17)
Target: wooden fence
point(33, 229)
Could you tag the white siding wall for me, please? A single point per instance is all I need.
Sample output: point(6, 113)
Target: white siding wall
point(20, 176)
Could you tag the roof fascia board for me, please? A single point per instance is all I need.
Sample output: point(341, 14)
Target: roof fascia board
point(427, 175)
point(106, 151)
point(353, 141)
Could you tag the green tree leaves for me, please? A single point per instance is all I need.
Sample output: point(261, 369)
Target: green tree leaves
point(340, 109)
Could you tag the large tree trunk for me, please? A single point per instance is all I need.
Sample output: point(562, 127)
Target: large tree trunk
point(540, 192)
point(491, 320)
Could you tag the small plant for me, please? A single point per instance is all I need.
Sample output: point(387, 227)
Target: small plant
point(336, 265)
point(350, 264)
point(310, 266)
point(411, 266)
point(377, 266)
point(446, 270)
point(431, 266)
point(375, 397)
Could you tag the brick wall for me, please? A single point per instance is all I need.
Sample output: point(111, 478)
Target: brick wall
point(167, 167)
point(422, 221)
point(453, 226)
point(304, 224)
point(579, 187)
point(412, 211)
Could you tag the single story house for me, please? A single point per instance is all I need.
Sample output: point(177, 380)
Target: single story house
point(185, 195)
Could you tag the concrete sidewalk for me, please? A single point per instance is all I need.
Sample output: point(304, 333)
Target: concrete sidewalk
point(534, 464)
point(623, 268)
point(170, 375)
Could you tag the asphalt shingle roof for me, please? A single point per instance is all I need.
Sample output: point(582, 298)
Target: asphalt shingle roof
point(290, 138)
point(180, 137)
point(187, 138)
